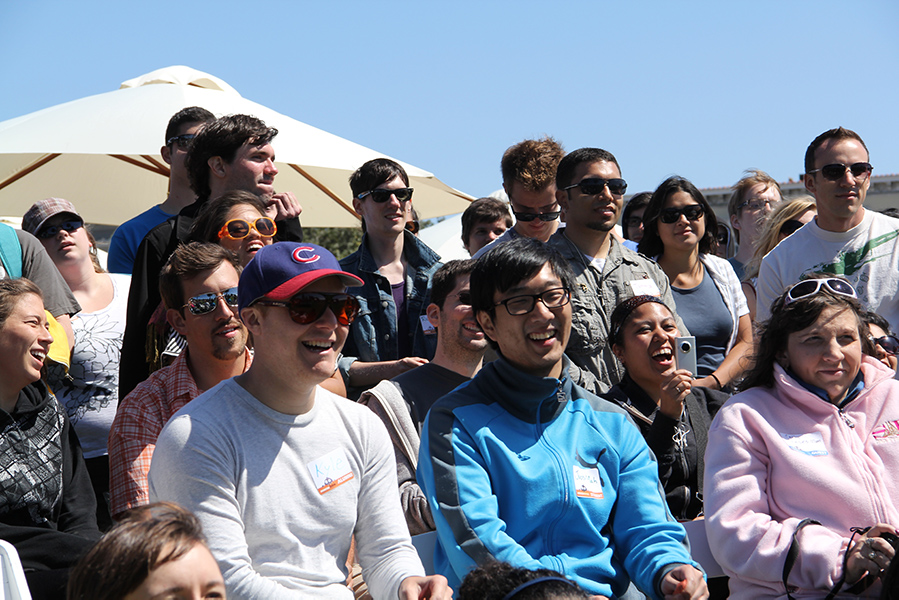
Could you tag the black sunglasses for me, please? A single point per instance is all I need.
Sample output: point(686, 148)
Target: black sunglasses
point(790, 226)
point(308, 307)
point(182, 140)
point(595, 185)
point(835, 172)
point(381, 195)
point(670, 215)
point(206, 303)
point(528, 217)
point(52, 230)
point(889, 343)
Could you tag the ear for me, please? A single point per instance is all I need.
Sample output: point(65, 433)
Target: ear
point(176, 320)
point(809, 181)
point(734, 223)
point(618, 351)
point(562, 199)
point(166, 153)
point(433, 312)
point(486, 322)
point(357, 205)
point(251, 319)
point(783, 359)
point(217, 166)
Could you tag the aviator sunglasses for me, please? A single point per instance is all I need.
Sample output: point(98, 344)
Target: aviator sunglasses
point(381, 195)
point(206, 303)
point(595, 185)
point(835, 172)
point(238, 229)
point(52, 230)
point(308, 307)
point(810, 287)
point(670, 215)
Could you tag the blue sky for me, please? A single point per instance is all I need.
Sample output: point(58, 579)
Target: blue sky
point(701, 89)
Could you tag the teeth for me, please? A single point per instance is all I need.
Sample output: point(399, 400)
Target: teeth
point(38, 354)
point(317, 344)
point(542, 336)
point(662, 354)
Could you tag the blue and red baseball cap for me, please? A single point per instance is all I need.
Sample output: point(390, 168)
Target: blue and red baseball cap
point(279, 271)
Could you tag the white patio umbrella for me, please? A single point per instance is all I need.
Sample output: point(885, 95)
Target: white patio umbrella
point(102, 153)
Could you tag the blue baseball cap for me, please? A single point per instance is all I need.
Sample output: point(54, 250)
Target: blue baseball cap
point(279, 271)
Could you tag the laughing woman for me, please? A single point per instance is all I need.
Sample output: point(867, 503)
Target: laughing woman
point(236, 221)
point(800, 473)
point(673, 414)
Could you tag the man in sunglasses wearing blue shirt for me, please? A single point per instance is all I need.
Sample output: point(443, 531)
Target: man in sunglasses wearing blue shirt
point(591, 191)
point(844, 238)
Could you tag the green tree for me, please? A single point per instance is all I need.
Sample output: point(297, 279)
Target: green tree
point(341, 241)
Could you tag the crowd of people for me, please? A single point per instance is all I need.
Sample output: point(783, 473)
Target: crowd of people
point(232, 411)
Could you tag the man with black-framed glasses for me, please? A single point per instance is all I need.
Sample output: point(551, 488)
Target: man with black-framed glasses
point(844, 238)
point(529, 180)
point(591, 190)
point(198, 285)
point(524, 466)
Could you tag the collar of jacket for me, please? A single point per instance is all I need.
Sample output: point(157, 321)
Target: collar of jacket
point(527, 397)
point(416, 253)
point(571, 252)
point(872, 373)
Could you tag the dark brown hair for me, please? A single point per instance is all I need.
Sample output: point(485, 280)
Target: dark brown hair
point(213, 215)
point(187, 261)
point(532, 163)
point(11, 290)
point(651, 245)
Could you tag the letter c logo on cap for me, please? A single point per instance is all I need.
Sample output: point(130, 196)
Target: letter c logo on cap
point(305, 254)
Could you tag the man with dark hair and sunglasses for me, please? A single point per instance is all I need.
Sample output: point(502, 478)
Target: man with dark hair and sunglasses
point(181, 130)
point(282, 473)
point(524, 466)
point(591, 191)
point(403, 402)
point(392, 333)
point(234, 152)
point(199, 289)
point(844, 239)
point(529, 179)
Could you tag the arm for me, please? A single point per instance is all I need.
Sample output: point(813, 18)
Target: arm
point(749, 292)
point(78, 508)
point(737, 361)
point(285, 209)
point(368, 374)
point(132, 440)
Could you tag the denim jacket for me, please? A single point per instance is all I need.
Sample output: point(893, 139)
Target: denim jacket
point(373, 334)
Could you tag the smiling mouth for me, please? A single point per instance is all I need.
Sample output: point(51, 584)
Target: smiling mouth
point(255, 246)
point(542, 336)
point(319, 345)
point(663, 355)
point(39, 354)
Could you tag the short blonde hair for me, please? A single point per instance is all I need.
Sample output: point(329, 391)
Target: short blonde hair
point(769, 236)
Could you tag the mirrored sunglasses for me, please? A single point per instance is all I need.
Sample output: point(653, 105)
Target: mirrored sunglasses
point(308, 307)
point(238, 229)
point(595, 185)
point(810, 287)
point(70, 226)
point(693, 212)
point(381, 195)
point(889, 343)
point(206, 303)
point(835, 172)
point(527, 217)
point(183, 141)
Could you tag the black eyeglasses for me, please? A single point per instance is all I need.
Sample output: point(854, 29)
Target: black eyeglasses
point(693, 212)
point(595, 185)
point(238, 229)
point(527, 217)
point(810, 287)
point(835, 172)
point(381, 195)
point(308, 307)
point(889, 343)
point(70, 226)
point(182, 140)
point(790, 226)
point(206, 303)
point(522, 305)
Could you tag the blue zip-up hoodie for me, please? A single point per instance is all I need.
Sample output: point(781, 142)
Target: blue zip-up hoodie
point(498, 462)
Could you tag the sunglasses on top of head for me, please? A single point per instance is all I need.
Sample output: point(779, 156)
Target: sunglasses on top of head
point(308, 307)
point(595, 185)
point(238, 229)
point(810, 287)
point(381, 195)
point(206, 303)
point(693, 212)
point(835, 172)
point(70, 226)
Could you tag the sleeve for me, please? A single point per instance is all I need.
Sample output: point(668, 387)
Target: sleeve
point(768, 287)
point(742, 535)
point(39, 268)
point(289, 231)
point(132, 440)
point(78, 511)
point(192, 467)
point(383, 547)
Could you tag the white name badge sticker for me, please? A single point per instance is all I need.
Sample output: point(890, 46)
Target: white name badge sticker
point(330, 471)
point(587, 483)
point(807, 443)
point(426, 325)
point(645, 287)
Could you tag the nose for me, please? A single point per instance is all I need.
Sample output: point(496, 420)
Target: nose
point(491, 235)
point(833, 351)
point(223, 310)
point(270, 167)
point(46, 337)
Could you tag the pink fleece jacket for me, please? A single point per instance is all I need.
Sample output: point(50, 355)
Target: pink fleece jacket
point(778, 456)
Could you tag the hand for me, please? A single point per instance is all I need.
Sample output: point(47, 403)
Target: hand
point(871, 554)
point(283, 206)
point(434, 587)
point(676, 384)
point(684, 581)
point(409, 363)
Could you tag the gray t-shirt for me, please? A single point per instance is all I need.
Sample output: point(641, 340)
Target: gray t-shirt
point(705, 314)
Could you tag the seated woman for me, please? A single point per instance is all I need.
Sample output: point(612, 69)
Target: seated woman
point(679, 229)
point(47, 505)
point(886, 346)
point(673, 414)
point(236, 221)
point(156, 551)
point(805, 455)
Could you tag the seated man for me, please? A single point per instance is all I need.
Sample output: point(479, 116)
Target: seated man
point(521, 465)
point(403, 402)
point(282, 473)
point(198, 285)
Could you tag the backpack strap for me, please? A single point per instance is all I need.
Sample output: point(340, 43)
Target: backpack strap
point(10, 251)
point(793, 553)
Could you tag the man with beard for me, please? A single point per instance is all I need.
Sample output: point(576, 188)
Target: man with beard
point(199, 290)
point(591, 191)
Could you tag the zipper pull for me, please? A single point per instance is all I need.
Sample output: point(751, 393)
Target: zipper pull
point(846, 419)
point(560, 394)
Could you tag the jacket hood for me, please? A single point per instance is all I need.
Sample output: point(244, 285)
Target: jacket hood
point(527, 397)
point(32, 399)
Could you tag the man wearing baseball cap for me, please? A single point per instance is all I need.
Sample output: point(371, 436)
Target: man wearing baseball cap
point(281, 472)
